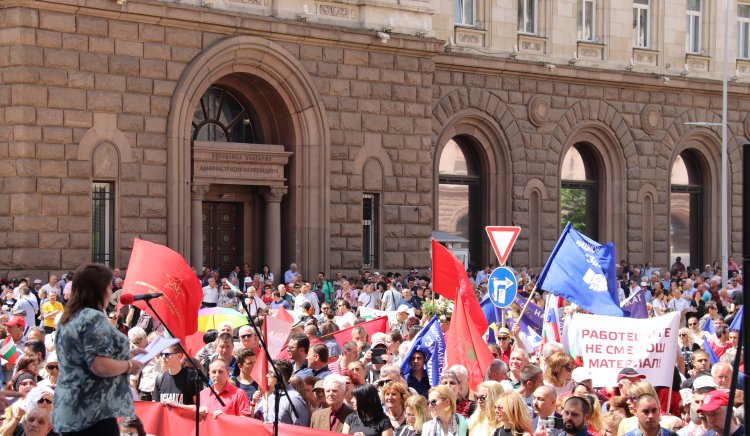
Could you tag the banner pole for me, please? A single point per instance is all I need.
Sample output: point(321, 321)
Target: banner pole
point(531, 295)
point(669, 399)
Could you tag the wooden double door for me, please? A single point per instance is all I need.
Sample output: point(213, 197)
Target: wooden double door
point(222, 235)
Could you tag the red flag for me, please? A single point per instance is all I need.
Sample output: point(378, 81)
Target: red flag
point(283, 315)
point(373, 326)
point(464, 342)
point(444, 272)
point(260, 369)
point(154, 268)
point(276, 331)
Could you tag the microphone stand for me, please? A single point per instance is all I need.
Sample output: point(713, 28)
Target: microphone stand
point(200, 377)
point(280, 386)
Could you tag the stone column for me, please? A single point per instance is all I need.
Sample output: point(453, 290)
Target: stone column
point(196, 226)
point(272, 257)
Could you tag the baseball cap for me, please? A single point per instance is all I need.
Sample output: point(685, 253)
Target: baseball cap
point(248, 279)
point(581, 374)
point(38, 281)
point(629, 373)
point(402, 309)
point(16, 320)
point(713, 400)
point(318, 385)
point(377, 343)
point(704, 381)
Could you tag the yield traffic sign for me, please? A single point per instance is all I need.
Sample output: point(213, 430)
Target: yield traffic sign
point(502, 239)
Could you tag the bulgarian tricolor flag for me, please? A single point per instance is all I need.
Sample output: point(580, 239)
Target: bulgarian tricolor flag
point(8, 350)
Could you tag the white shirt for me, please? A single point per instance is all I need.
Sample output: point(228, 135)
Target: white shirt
point(210, 295)
point(255, 303)
point(366, 300)
point(311, 297)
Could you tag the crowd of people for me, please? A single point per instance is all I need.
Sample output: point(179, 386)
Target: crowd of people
point(355, 387)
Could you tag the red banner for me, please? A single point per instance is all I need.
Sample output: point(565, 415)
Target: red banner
point(373, 326)
point(160, 420)
point(154, 268)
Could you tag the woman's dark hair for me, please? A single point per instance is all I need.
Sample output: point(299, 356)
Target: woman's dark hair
point(210, 336)
point(133, 422)
point(369, 408)
point(90, 282)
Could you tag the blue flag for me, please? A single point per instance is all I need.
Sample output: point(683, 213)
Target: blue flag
point(737, 321)
point(710, 351)
point(709, 327)
point(583, 271)
point(531, 323)
point(636, 305)
point(493, 318)
point(532, 319)
point(429, 341)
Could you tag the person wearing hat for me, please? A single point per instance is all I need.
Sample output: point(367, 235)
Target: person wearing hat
point(714, 409)
point(626, 377)
point(503, 339)
point(15, 326)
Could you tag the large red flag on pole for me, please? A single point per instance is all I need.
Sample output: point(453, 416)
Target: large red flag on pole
point(154, 268)
point(444, 273)
point(464, 342)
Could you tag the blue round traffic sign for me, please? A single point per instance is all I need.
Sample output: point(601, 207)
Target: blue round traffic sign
point(502, 287)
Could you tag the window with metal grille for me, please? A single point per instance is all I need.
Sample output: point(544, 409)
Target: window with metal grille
point(370, 234)
point(102, 223)
point(221, 117)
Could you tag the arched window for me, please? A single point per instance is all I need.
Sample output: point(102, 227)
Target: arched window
point(686, 209)
point(459, 211)
point(579, 191)
point(223, 118)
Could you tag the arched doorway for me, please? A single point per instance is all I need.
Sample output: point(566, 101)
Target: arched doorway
point(686, 203)
point(460, 187)
point(278, 171)
point(579, 193)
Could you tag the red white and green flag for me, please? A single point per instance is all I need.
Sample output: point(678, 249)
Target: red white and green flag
point(8, 350)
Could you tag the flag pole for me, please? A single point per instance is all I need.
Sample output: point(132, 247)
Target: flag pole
point(531, 295)
point(669, 399)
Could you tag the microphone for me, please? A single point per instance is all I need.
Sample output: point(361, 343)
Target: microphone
point(126, 299)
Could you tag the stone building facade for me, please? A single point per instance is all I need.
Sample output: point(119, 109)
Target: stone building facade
point(233, 136)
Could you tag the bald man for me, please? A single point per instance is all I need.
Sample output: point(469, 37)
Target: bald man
point(544, 403)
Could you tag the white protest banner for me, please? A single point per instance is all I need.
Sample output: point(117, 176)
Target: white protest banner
point(608, 344)
point(367, 313)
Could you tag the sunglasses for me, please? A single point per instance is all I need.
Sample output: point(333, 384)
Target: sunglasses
point(432, 403)
point(682, 335)
point(503, 338)
point(44, 400)
point(52, 367)
point(382, 383)
point(249, 335)
point(481, 398)
point(167, 355)
point(692, 324)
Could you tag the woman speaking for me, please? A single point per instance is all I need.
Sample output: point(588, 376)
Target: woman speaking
point(95, 360)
